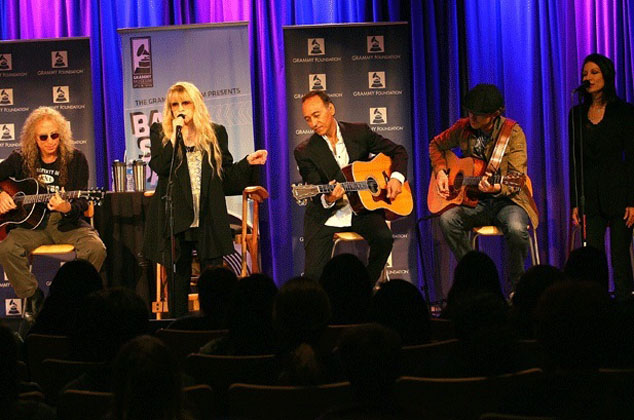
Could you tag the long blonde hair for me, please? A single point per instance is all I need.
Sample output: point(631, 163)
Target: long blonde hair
point(30, 150)
point(206, 136)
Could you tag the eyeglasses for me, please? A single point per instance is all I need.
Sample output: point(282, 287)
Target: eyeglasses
point(44, 137)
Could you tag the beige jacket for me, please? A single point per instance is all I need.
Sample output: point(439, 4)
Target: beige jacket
point(462, 135)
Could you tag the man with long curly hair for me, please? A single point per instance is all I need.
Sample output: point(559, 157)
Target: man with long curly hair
point(47, 155)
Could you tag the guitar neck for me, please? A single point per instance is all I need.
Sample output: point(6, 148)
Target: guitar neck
point(347, 186)
point(43, 198)
point(475, 180)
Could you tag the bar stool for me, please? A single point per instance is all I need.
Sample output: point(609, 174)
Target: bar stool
point(494, 231)
point(348, 237)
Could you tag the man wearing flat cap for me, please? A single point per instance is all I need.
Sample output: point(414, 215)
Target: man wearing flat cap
point(509, 208)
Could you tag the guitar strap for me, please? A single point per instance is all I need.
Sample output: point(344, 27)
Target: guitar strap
point(500, 147)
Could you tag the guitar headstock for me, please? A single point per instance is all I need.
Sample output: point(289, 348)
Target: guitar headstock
point(95, 195)
point(514, 179)
point(302, 192)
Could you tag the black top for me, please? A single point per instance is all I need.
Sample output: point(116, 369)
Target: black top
point(608, 158)
point(214, 235)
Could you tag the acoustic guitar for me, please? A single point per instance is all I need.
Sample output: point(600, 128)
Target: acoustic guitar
point(366, 188)
point(464, 176)
point(31, 200)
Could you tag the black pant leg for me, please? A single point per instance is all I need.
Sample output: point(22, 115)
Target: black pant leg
point(620, 244)
point(318, 246)
point(179, 303)
point(372, 227)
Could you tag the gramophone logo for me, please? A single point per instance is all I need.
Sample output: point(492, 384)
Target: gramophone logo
point(316, 46)
point(7, 132)
point(317, 81)
point(141, 51)
point(376, 80)
point(375, 44)
point(61, 94)
point(5, 62)
point(59, 59)
point(13, 307)
point(6, 97)
point(378, 116)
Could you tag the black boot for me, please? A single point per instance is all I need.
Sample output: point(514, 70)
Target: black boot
point(33, 304)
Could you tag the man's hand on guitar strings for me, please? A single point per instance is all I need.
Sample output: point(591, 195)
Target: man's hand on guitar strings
point(57, 203)
point(442, 184)
point(394, 188)
point(485, 187)
point(336, 194)
point(6, 203)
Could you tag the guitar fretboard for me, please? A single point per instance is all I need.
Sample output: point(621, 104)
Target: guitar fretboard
point(348, 186)
point(43, 198)
point(475, 180)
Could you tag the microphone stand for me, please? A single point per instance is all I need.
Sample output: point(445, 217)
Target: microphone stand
point(578, 172)
point(169, 210)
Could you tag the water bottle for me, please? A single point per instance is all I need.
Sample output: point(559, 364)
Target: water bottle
point(129, 177)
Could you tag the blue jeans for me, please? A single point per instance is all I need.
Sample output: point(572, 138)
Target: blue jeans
point(511, 219)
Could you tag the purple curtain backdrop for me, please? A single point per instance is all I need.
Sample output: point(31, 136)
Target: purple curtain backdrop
point(531, 49)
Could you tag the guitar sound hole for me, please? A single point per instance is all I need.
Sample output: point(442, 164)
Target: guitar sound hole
point(373, 186)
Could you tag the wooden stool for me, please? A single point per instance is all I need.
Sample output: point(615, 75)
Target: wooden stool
point(494, 231)
point(354, 237)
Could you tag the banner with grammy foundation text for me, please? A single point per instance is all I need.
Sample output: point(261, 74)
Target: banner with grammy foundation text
point(47, 72)
point(365, 69)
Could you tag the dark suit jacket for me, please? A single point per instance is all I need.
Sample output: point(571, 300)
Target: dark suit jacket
point(214, 239)
point(608, 150)
point(317, 165)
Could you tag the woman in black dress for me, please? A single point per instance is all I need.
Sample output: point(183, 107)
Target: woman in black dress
point(204, 173)
point(603, 127)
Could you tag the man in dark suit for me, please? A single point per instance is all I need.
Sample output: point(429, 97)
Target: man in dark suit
point(320, 159)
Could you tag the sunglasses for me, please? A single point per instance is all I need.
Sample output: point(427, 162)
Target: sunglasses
point(44, 137)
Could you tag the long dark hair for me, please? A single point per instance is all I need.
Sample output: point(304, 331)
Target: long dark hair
point(607, 69)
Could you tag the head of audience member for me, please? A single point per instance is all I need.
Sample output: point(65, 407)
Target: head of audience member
point(399, 305)
point(301, 313)
point(371, 359)
point(215, 287)
point(110, 318)
point(475, 273)
point(347, 283)
point(73, 282)
point(527, 292)
point(572, 324)
point(599, 71)
point(8, 369)
point(482, 325)
point(588, 264)
point(146, 381)
point(250, 315)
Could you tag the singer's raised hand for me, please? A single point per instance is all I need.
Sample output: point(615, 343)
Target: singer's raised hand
point(258, 157)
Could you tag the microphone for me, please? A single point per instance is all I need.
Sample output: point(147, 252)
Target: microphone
point(179, 128)
point(583, 86)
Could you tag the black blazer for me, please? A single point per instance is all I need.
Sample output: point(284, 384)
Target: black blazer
point(608, 158)
point(317, 165)
point(214, 239)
